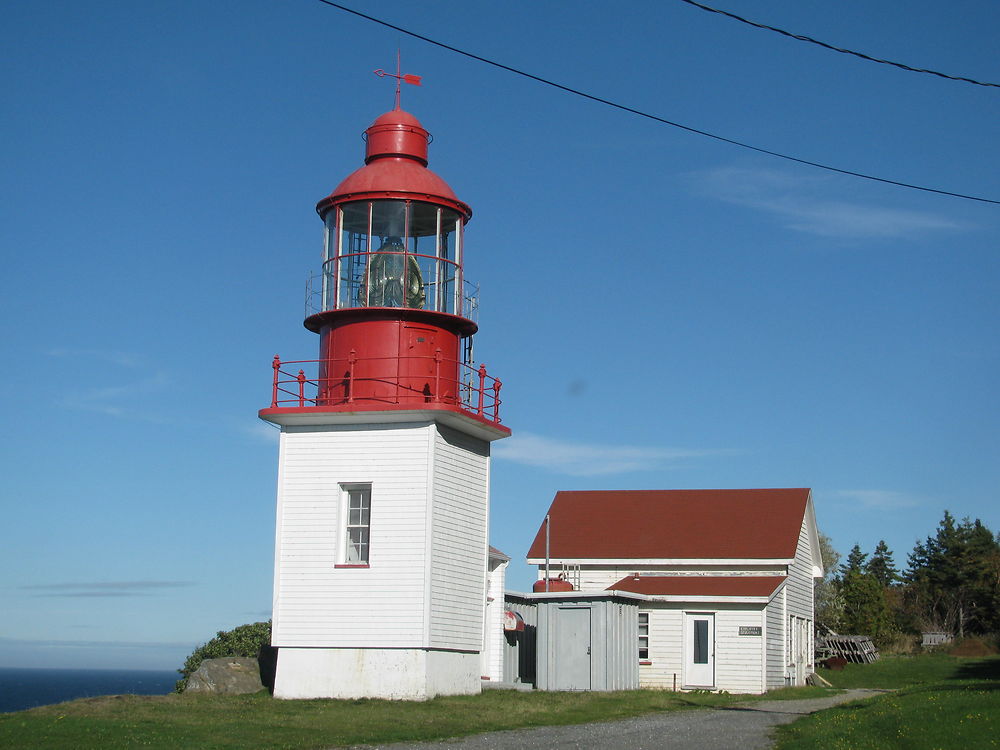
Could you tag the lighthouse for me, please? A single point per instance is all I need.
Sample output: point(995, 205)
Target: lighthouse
point(384, 452)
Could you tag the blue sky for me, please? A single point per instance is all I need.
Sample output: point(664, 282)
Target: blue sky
point(665, 311)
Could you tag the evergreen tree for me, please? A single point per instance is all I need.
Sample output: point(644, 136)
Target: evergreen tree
point(855, 561)
point(881, 565)
point(953, 580)
point(866, 609)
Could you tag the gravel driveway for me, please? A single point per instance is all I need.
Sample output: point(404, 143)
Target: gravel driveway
point(746, 726)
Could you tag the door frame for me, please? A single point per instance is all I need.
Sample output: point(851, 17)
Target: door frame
point(565, 677)
point(698, 675)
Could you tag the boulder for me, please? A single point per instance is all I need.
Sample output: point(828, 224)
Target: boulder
point(230, 675)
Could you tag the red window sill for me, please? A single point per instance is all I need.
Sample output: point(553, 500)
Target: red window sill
point(365, 565)
point(645, 663)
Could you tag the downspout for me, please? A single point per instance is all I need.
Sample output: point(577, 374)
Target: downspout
point(547, 548)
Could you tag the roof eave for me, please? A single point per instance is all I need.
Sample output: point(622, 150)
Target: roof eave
point(738, 561)
point(719, 598)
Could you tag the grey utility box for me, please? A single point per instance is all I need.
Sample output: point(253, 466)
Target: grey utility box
point(586, 641)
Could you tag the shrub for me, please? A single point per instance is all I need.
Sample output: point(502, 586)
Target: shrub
point(971, 646)
point(246, 640)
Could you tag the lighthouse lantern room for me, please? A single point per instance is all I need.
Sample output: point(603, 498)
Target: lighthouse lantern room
point(383, 470)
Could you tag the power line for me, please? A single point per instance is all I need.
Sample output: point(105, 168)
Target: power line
point(862, 55)
point(655, 118)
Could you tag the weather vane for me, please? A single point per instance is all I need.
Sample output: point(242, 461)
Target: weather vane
point(400, 78)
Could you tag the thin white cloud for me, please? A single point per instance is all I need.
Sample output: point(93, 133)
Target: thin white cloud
point(803, 205)
point(877, 499)
point(262, 431)
point(124, 359)
point(123, 399)
point(26, 642)
point(113, 399)
point(583, 459)
point(103, 589)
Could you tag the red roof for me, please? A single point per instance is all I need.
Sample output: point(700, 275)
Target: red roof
point(699, 585)
point(395, 167)
point(759, 524)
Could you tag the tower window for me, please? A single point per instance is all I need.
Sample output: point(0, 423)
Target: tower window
point(643, 636)
point(356, 505)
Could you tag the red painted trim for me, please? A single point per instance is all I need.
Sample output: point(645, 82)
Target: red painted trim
point(335, 318)
point(644, 663)
point(366, 565)
point(484, 677)
point(361, 408)
point(328, 203)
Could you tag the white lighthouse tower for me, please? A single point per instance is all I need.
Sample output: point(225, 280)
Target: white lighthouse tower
point(384, 459)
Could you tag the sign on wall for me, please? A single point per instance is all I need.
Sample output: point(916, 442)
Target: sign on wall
point(750, 630)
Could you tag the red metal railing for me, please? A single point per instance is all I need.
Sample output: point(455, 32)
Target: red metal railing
point(365, 381)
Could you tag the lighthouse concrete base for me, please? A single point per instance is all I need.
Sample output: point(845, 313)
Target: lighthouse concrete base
point(390, 673)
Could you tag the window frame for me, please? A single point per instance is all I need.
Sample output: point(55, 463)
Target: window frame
point(643, 638)
point(344, 558)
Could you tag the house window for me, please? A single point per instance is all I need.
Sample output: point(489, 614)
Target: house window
point(643, 636)
point(356, 512)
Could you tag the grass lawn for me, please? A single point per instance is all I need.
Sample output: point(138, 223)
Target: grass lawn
point(260, 722)
point(938, 702)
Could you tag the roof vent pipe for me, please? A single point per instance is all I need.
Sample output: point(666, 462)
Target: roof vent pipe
point(547, 549)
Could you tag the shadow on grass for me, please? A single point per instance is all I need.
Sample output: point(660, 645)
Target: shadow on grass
point(985, 669)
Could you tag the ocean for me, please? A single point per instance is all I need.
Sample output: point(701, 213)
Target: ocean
point(27, 688)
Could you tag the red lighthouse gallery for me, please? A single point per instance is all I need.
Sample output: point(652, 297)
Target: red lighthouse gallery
point(384, 458)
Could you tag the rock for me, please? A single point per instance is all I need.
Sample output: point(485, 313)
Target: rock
point(230, 675)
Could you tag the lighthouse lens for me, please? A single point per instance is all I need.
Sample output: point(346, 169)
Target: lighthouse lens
point(394, 253)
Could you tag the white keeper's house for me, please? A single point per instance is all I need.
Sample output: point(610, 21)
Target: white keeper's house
point(720, 583)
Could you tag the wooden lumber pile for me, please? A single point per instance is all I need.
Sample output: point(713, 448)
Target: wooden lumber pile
point(855, 648)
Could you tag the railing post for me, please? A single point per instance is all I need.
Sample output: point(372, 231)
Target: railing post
point(352, 357)
point(302, 388)
point(276, 364)
point(437, 374)
point(496, 400)
point(482, 387)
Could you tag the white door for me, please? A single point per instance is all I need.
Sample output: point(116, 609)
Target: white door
point(699, 649)
point(800, 649)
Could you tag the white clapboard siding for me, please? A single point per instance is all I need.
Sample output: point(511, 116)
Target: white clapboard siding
point(739, 658)
point(458, 540)
point(665, 648)
point(800, 580)
point(493, 632)
point(801, 594)
point(318, 604)
point(775, 624)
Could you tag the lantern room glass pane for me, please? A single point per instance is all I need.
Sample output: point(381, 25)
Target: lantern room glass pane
point(352, 251)
point(393, 253)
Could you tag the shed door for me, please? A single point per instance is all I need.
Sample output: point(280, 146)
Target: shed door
point(572, 648)
point(699, 648)
point(799, 628)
